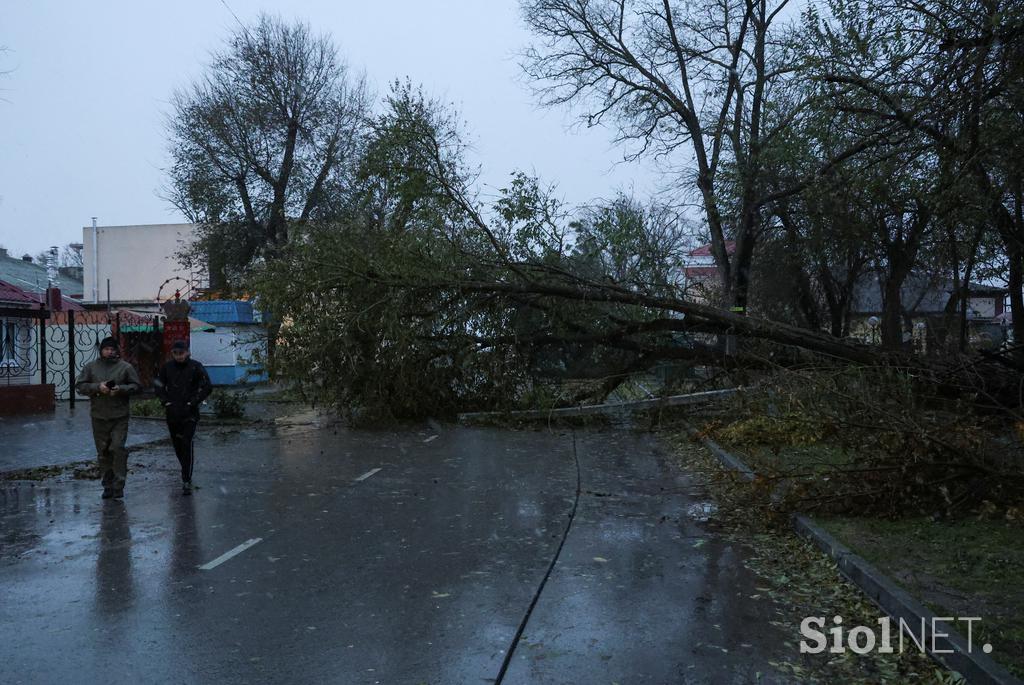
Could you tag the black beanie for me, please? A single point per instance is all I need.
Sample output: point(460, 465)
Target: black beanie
point(109, 342)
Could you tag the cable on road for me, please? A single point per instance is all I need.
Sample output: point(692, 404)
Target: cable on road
point(551, 567)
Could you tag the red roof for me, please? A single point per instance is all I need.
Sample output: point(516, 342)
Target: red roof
point(68, 302)
point(705, 250)
point(13, 294)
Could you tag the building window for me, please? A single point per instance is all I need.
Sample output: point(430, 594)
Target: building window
point(8, 343)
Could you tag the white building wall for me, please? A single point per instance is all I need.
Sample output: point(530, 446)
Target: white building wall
point(229, 345)
point(981, 308)
point(213, 348)
point(136, 260)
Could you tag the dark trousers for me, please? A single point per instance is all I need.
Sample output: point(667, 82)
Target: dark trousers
point(110, 436)
point(183, 432)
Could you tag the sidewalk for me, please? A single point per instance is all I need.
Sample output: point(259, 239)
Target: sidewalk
point(65, 436)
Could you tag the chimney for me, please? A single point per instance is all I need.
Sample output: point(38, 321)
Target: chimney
point(26, 258)
point(3, 251)
point(51, 264)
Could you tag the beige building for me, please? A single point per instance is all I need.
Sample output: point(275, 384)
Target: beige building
point(135, 261)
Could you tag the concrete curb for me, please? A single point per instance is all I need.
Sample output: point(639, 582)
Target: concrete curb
point(590, 410)
point(730, 461)
point(968, 660)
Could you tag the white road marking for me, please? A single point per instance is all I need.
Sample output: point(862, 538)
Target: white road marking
point(229, 554)
point(432, 437)
point(366, 475)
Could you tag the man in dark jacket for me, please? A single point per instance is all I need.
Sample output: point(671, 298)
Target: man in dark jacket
point(182, 385)
point(108, 382)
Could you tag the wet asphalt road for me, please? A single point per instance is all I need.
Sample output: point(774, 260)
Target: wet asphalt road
point(420, 572)
point(64, 435)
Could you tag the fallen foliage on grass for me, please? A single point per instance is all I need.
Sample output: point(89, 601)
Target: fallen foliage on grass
point(865, 441)
point(801, 581)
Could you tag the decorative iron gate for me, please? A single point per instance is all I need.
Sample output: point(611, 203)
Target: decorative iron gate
point(38, 346)
point(73, 340)
point(22, 356)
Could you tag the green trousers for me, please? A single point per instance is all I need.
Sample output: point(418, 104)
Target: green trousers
point(110, 436)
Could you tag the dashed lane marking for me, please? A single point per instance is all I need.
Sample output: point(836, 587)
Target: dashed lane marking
point(366, 475)
point(230, 553)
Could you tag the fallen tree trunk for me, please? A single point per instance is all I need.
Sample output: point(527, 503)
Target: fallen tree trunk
point(991, 381)
point(695, 314)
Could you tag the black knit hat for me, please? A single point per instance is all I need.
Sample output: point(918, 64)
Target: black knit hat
point(109, 342)
point(179, 345)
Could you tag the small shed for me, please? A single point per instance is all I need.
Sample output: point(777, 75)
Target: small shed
point(233, 350)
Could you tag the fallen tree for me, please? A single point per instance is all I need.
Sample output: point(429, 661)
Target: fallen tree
point(421, 302)
point(419, 299)
point(545, 322)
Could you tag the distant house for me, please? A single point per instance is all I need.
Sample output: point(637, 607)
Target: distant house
point(19, 349)
point(23, 286)
point(135, 261)
point(232, 350)
point(925, 295)
point(32, 277)
point(924, 300)
point(700, 274)
point(22, 387)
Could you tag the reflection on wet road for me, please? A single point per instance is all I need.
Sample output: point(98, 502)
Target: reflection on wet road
point(391, 557)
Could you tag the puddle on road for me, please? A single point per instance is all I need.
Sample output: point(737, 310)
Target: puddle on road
point(14, 543)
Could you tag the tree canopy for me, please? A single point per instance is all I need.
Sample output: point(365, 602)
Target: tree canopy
point(264, 140)
point(825, 151)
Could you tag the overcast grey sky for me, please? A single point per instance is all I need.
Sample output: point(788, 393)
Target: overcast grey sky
point(82, 108)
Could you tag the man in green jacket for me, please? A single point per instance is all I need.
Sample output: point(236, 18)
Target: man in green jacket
point(108, 382)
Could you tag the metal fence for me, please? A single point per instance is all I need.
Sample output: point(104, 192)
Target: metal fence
point(69, 347)
point(39, 347)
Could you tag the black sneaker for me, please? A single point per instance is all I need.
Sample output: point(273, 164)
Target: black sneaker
point(186, 488)
point(118, 493)
point(108, 493)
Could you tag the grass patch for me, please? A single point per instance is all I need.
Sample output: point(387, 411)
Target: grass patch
point(771, 431)
point(794, 462)
point(958, 568)
point(228, 404)
point(783, 446)
point(149, 408)
point(969, 565)
point(802, 581)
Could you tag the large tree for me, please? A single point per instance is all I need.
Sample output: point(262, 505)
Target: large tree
point(703, 83)
point(422, 299)
point(949, 73)
point(263, 141)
